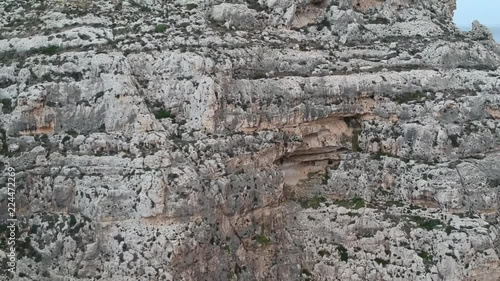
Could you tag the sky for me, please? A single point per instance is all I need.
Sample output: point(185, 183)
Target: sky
point(486, 12)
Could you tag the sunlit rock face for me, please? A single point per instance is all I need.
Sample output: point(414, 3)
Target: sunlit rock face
point(249, 140)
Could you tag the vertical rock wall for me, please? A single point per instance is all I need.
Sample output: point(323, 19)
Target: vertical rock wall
point(249, 140)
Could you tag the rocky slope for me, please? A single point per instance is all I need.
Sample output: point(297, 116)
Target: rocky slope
point(257, 140)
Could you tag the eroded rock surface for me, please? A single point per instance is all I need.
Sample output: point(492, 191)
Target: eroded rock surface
point(249, 140)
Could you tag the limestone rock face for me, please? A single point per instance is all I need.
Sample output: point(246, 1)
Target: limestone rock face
point(249, 140)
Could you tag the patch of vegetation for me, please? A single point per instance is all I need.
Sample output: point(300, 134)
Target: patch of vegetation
point(306, 274)
point(72, 220)
point(118, 238)
point(102, 128)
point(449, 229)
point(394, 203)
point(325, 23)
point(83, 36)
point(354, 203)
point(323, 253)
point(425, 256)
point(49, 50)
point(411, 97)
point(427, 224)
point(378, 20)
point(343, 253)
point(313, 202)
point(6, 105)
point(381, 261)
point(454, 140)
point(494, 182)
point(34, 228)
point(261, 239)
point(160, 28)
point(259, 75)
point(355, 140)
point(72, 133)
point(4, 150)
point(325, 178)
point(191, 6)
point(163, 113)
point(380, 154)
point(24, 249)
point(254, 4)
point(141, 7)
point(172, 176)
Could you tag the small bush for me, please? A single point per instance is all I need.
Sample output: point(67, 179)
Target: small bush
point(325, 178)
point(261, 239)
point(343, 253)
point(449, 229)
point(380, 154)
point(72, 220)
point(427, 224)
point(7, 105)
point(311, 202)
point(72, 133)
point(381, 261)
point(259, 75)
point(163, 113)
point(50, 50)
point(323, 253)
point(425, 256)
point(355, 140)
point(4, 149)
point(358, 202)
point(354, 203)
point(160, 28)
point(34, 228)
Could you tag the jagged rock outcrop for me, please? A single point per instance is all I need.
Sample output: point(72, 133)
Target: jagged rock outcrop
point(249, 140)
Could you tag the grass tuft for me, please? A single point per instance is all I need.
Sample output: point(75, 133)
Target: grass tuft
point(160, 28)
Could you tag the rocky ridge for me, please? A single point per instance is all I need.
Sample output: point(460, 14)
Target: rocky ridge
point(250, 140)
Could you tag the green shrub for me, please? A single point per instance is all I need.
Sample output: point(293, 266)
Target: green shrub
point(425, 256)
point(7, 105)
point(325, 178)
point(381, 261)
point(3, 140)
point(380, 154)
point(259, 75)
point(160, 28)
point(34, 228)
point(354, 203)
point(163, 113)
point(261, 239)
point(50, 50)
point(312, 202)
point(355, 140)
point(72, 220)
point(72, 133)
point(358, 202)
point(343, 253)
point(324, 253)
point(428, 224)
point(449, 229)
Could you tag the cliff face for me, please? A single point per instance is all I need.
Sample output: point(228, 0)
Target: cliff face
point(257, 140)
